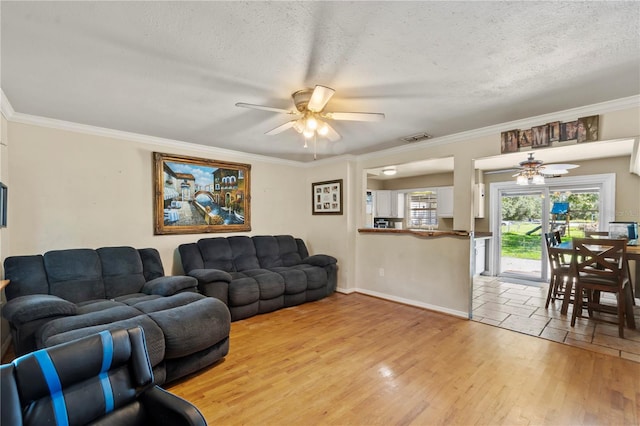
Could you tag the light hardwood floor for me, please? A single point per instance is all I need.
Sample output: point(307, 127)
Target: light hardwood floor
point(358, 360)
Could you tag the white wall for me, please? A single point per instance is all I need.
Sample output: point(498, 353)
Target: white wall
point(72, 189)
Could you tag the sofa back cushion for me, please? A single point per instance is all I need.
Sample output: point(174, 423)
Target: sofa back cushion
point(244, 253)
point(27, 276)
point(151, 264)
point(288, 250)
point(216, 254)
point(122, 271)
point(267, 251)
point(75, 274)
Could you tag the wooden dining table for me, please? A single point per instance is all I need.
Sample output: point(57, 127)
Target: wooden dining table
point(632, 253)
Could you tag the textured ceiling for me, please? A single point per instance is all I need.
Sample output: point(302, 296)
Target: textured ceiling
point(176, 69)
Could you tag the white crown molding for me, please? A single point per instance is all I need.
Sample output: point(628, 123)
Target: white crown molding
point(571, 114)
point(5, 106)
point(145, 139)
point(566, 115)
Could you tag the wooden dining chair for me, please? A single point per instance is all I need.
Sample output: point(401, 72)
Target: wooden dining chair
point(599, 266)
point(559, 270)
point(589, 234)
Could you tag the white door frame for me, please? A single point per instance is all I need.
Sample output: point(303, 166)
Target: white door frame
point(607, 201)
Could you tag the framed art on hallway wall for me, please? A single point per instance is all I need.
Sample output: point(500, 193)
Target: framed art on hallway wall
point(197, 195)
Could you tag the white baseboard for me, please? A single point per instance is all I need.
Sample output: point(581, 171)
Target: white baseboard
point(410, 302)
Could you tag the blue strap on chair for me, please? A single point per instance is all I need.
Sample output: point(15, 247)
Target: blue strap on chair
point(55, 387)
point(107, 357)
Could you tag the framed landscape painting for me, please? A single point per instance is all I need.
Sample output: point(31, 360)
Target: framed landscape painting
point(196, 195)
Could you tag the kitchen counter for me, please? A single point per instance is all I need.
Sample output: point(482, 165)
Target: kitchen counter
point(423, 233)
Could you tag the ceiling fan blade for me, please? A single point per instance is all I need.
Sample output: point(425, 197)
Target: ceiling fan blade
point(281, 128)
point(332, 135)
point(553, 172)
point(319, 98)
point(354, 116)
point(495, 172)
point(264, 108)
point(560, 166)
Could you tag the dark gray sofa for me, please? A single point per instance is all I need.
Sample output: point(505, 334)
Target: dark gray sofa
point(67, 294)
point(259, 274)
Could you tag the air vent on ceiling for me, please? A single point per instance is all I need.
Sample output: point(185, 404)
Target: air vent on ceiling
point(416, 138)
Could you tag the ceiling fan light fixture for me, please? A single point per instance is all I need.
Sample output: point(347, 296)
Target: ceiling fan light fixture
point(537, 179)
point(522, 180)
point(389, 171)
point(312, 123)
point(323, 129)
point(299, 126)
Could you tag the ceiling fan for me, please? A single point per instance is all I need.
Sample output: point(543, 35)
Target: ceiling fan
point(310, 117)
point(534, 171)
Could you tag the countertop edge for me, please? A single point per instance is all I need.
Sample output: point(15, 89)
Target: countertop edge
point(430, 234)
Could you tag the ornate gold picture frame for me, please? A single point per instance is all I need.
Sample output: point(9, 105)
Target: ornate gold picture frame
point(197, 195)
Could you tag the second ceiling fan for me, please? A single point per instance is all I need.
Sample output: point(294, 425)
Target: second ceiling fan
point(310, 117)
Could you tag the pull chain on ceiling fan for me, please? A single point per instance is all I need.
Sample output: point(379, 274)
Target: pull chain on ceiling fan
point(310, 117)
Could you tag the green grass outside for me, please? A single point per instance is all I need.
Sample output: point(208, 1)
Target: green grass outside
point(516, 243)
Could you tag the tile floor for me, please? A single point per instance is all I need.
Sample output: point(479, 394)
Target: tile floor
point(520, 307)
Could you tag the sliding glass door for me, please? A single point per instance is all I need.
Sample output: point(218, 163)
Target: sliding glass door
point(523, 221)
point(520, 215)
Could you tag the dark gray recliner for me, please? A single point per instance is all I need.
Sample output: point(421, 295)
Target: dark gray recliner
point(67, 294)
point(103, 378)
point(259, 274)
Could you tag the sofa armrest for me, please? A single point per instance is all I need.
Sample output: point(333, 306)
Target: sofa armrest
point(320, 260)
point(213, 283)
point(210, 275)
point(24, 309)
point(167, 286)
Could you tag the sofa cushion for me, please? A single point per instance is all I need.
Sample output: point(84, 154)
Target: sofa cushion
point(164, 303)
point(152, 333)
point(216, 254)
point(27, 274)
point(105, 316)
point(96, 305)
point(122, 271)
point(243, 253)
point(151, 263)
point(270, 284)
point(135, 298)
point(167, 286)
point(295, 280)
point(75, 274)
point(288, 250)
point(316, 276)
point(243, 290)
point(201, 323)
point(267, 251)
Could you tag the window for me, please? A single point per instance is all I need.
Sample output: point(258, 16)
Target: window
point(422, 209)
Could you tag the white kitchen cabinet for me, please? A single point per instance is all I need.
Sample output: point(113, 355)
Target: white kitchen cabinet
point(480, 253)
point(445, 201)
point(389, 204)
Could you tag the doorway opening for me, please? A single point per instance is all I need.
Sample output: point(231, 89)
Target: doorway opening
point(521, 216)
